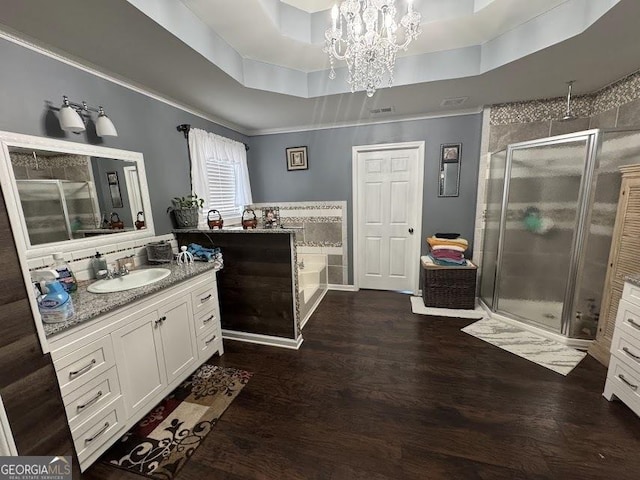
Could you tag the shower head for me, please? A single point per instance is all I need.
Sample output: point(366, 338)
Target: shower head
point(568, 115)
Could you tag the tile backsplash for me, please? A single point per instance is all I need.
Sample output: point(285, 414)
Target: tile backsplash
point(80, 259)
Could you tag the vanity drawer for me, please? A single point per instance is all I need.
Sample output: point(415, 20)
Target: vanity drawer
point(204, 298)
point(84, 364)
point(628, 316)
point(624, 383)
point(99, 429)
point(631, 293)
point(91, 397)
point(207, 319)
point(209, 343)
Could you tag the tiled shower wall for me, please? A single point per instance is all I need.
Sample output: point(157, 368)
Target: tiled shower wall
point(616, 105)
point(324, 230)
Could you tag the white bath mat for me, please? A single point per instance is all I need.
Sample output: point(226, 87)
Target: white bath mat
point(535, 348)
point(417, 306)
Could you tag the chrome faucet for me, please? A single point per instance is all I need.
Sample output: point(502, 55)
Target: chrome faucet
point(120, 269)
point(118, 272)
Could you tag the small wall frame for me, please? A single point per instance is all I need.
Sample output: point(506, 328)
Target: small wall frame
point(297, 158)
point(449, 170)
point(114, 189)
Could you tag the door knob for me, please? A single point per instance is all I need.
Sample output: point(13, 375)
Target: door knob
point(411, 231)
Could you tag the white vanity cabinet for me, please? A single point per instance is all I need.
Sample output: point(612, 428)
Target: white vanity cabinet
point(114, 369)
point(623, 376)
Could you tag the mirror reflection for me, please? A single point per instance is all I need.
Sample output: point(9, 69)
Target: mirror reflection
point(69, 196)
point(449, 181)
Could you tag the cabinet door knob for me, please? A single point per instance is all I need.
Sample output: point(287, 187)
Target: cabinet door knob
point(411, 231)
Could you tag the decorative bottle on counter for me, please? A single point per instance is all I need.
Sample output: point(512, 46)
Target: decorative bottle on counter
point(66, 276)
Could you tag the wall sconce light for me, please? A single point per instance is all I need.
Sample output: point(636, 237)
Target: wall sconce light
point(72, 115)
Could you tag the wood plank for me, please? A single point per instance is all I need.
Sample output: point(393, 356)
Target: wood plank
point(255, 287)
point(378, 393)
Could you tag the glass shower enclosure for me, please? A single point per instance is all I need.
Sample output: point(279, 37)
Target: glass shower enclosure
point(549, 217)
point(54, 209)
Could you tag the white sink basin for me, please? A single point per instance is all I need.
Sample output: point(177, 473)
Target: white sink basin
point(135, 279)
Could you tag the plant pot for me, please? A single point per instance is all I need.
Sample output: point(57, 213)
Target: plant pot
point(186, 217)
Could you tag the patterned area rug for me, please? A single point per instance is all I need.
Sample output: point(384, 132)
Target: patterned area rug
point(160, 444)
point(535, 348)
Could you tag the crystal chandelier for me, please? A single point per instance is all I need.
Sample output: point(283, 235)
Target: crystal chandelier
point(367, 37)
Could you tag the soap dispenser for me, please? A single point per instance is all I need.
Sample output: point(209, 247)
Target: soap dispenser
point(98, 264)
point(55, 303)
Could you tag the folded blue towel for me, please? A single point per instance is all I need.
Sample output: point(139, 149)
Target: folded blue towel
point(202, 253)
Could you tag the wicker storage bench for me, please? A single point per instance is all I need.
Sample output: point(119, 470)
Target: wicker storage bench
point(448, 287)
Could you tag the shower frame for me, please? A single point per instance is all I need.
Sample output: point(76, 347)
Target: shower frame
point(594, 140)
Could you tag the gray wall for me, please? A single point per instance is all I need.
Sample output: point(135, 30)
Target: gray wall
point(29, 80)
point(330, 163)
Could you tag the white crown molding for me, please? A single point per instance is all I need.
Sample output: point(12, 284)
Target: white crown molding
point(409, 118)
point(8, 34)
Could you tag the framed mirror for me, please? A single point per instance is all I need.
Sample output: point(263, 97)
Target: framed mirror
point(449, 174)
point(62, 196)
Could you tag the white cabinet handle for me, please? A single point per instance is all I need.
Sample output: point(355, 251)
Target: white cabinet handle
point(97, 434)
point(207, 342)
point(209, 319)
point(204, 299)
point(82, 370)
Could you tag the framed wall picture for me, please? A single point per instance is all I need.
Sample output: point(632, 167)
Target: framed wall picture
point(449, 177)
point(270, 217)
point(297, 158)
point(114, 189)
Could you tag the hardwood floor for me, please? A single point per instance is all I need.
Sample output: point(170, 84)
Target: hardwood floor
point(378, 393)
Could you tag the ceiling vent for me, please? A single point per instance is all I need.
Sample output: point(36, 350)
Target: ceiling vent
point(382, 111)
point(453, 102)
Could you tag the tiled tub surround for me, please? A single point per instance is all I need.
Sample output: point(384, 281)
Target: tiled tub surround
point(323, 230)
point(91, 305)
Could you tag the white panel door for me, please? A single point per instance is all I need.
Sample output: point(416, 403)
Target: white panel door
point(388, 196)
point(138, 352)
point(178, 337)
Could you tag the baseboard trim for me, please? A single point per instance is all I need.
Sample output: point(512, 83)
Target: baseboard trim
point(291, 343)
point(313, 309)
point(342, 288)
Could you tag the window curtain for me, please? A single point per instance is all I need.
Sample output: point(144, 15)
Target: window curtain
point(205, 146)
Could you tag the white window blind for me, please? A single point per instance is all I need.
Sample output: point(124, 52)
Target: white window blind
point(221, 181)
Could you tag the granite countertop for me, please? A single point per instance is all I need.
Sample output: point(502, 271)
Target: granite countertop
point(90, 305)
point(238, 230)
point(633, 279)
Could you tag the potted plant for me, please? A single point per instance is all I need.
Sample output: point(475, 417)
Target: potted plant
point(186, 210)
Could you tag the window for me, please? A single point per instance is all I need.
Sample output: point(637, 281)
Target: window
point(221, 182)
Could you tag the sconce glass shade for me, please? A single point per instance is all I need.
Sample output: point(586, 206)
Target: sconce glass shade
point(104, 126)
point(70, 120)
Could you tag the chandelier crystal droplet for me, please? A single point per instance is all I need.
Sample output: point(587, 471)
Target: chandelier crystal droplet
point(365, 34)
